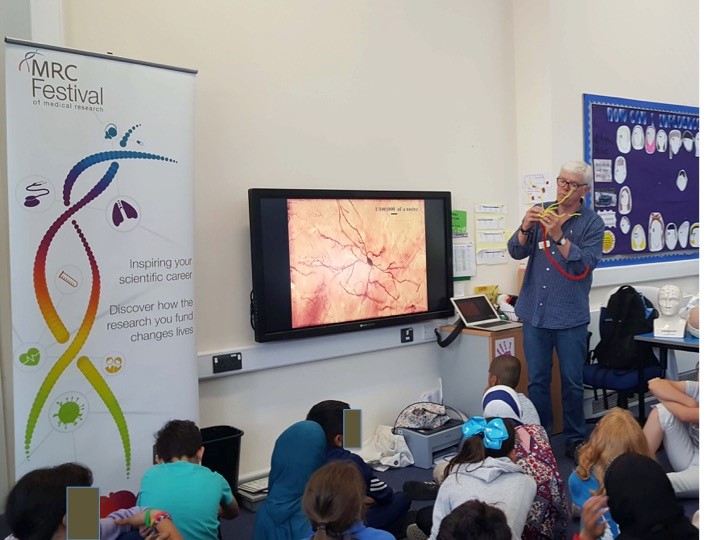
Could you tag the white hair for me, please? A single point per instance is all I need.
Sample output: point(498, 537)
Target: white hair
point(578, 167)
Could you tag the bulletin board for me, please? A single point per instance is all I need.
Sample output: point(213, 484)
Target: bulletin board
point(646, 184)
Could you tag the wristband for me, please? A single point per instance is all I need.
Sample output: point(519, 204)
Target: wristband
point(147, 517)
point(159, 517)
point(524, 231)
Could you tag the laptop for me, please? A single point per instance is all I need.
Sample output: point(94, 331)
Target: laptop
point(478, 312)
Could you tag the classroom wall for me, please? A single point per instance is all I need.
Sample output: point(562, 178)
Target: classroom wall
point(645, 50)
point(464, 96)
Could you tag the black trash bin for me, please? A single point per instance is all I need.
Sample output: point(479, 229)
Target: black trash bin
point(222, 452)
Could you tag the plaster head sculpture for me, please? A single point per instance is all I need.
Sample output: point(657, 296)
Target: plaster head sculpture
point(693, 321)
point(625, 202)
point(620, 169)
point(675, 140)
point(697, 144)
point(671, 236)
point(650, 139)
point(656, 232)
point(669, 297)
point(625, 225)
point(695, 235)
point(688, 140)
point(637, 241)
point(661, 141)
point(623, 139)
point(682, 180)
point(683, 233)
point(638, 137)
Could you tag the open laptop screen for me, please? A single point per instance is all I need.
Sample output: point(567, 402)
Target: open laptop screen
point(475, 309)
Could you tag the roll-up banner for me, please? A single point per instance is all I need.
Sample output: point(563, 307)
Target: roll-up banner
point(100, 183)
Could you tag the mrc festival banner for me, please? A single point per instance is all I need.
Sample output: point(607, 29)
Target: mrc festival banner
point(100, 180)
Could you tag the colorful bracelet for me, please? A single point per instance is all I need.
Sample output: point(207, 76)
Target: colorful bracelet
point(159, 517)
point(147, 517)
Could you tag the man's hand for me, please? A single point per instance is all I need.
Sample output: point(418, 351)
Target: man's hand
point(531, 217)
point(553, 225)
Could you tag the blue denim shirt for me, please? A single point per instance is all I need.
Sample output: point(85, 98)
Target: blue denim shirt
point(547, 298)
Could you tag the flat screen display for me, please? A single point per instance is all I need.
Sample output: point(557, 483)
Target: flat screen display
point(328, 261)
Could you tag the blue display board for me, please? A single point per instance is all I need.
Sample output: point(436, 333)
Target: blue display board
point(646, 185)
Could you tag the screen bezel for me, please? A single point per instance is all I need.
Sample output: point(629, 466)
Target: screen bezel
point(259, 248)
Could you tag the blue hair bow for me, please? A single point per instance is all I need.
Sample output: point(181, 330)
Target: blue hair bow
point(494, 431)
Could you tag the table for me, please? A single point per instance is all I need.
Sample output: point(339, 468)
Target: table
point(688, 343)
point(464, 369)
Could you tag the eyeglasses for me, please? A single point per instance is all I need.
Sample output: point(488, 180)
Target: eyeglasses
point(564, 183)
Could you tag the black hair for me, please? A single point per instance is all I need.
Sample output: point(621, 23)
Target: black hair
point(36, 504)
point(329, 414)
point(473, 449)
point(177, 439)
point(507, 370)
point(475, 520)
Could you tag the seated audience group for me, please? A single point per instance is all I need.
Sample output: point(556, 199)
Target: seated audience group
point(504, 482)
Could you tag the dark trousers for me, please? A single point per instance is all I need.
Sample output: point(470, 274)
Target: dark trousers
point(391, 516)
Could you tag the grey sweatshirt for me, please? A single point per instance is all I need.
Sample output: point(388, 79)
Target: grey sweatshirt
point(498, 482)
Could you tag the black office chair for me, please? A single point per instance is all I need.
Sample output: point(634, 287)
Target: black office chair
point(624, 382)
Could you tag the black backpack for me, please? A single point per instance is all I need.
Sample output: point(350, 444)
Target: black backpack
point(628, 313)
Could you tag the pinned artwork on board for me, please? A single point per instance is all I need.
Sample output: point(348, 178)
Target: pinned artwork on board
point(653, 152)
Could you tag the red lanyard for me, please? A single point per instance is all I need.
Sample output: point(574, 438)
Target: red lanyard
point(555, 263)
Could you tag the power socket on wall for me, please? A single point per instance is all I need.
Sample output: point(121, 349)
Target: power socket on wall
point(406, 335)
point(227, 362)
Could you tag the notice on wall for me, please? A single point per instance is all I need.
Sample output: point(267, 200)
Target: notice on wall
point(100, 180)
point(646, 185)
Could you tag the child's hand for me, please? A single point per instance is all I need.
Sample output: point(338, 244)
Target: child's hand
point(166, 531)
point(592, 517)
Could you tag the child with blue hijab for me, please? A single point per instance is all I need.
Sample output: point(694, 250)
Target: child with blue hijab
point(299, 451)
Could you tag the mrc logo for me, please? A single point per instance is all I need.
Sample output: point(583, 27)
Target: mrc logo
point(40, 67)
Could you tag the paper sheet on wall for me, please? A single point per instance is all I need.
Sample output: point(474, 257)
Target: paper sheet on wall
point(463, 259)
point(505, 347)
point(491, 256)
point(459, 223)
point(484, 208)
point(537, 188)
point(486, 237)
point(489, 222)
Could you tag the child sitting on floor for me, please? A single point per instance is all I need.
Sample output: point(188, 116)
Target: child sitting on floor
point(334, 503)
point(505, 370)
point(36, 507)
point(616, 433)
point(181, 485)
point(386, 508)
point(485, 469)
point(475, 520)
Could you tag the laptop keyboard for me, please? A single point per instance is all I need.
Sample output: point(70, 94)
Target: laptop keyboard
point(492, 324)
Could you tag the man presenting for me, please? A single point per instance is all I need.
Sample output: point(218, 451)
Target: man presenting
point(563, 241)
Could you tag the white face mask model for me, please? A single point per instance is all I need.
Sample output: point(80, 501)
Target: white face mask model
point(682, 180)
point(656, 232)
point(620, 169)
point(683, 233)
point(638, 138)
point(671, 235)
point(622, 139)
point(650, 139)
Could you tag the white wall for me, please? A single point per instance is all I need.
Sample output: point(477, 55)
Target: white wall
point(646, 50)
point(415, 94)
point(368, 95)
